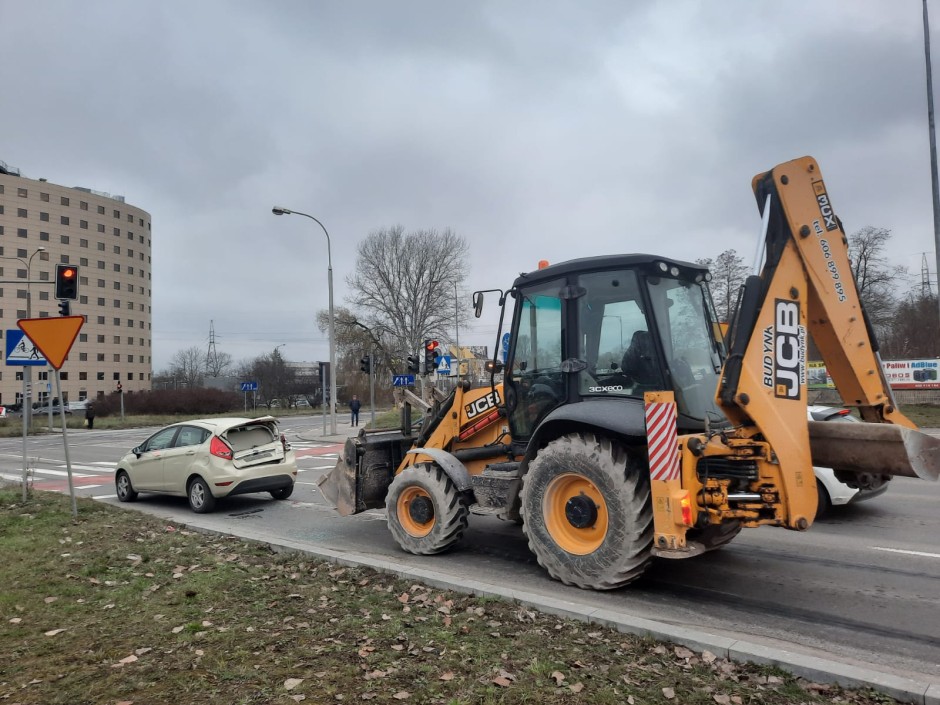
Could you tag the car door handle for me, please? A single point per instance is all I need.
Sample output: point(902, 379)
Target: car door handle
point(190, 452)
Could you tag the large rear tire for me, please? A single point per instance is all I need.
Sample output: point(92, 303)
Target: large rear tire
point(426, 513)
point(587, 512)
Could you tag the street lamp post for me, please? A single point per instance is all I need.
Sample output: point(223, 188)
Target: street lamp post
point(457, 331)
point(278, 210)
point(28, 370)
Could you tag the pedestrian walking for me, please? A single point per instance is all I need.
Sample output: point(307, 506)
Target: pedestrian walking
point(354, 407)
point(90, 415)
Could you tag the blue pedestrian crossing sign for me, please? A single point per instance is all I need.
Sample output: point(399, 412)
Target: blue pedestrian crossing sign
point(443, 365)
point(21, 351)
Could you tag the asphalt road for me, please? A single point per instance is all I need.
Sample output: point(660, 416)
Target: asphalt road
point(862, 586)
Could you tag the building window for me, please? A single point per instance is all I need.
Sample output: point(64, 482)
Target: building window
point(83, 205)
point(100, 264)
point(117, 286)
point(116, 358)
point(117, 303)
point(100, 227)
point(117, 267)
point(83, 337)
point(63, 201)
point(44, 217)
point(100, 210)
point(82, 376)
point(100, 377)
point(43, 295)
point(64, 239)
point(83, 224)
point(130, 253)
point(117, 321)
point(83, 243)
point(101, 283)
point(117, 232)
point(130, 236)
point(83, 299)
point(44, 197)
point(22, 192)
point(44, 276)
point(117, 214)
point(21, 213)
point(101, 246)
point(44, 237)
point(130, 358)
point(100, 320)
point(63, 220)
point(117, 376)
point(100, 302)
point(117, 249)
point(100, 357)
point(130, 218)
point(21, 232)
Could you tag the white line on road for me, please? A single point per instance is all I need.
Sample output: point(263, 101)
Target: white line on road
point(907, 553)
point(105, 496)
point(60, 473)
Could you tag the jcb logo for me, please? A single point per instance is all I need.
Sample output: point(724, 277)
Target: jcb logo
point(481, 405)
point(789, 370)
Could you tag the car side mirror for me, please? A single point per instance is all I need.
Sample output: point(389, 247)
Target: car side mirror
point(138, 451)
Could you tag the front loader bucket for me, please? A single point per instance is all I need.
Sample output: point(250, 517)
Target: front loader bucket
point(875, 448)
point(364, 470)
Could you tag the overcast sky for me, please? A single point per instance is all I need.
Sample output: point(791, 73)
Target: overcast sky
point(536, 130)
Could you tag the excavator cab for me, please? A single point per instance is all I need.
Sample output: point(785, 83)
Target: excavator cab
point(594, 332)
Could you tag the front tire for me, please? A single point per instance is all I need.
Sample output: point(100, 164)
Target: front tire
point(426, 513)
point(125, 490)
point(587, 512)
point(200, 496)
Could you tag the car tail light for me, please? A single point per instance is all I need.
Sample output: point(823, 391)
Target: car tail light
point(220, 448)
point(284, 444)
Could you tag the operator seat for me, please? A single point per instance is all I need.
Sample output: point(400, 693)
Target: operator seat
point(639, 361)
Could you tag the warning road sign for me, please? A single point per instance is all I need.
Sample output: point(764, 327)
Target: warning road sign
point(21, 351)
point(53, 336)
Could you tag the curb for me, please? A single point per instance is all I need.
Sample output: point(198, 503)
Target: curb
point(806, 665)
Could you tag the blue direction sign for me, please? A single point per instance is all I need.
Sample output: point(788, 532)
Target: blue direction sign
point(403, 380)
point(21, 351)
point(504, 348)
point(249, 386)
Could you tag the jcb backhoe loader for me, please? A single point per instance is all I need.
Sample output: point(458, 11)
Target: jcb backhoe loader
point(629, 427)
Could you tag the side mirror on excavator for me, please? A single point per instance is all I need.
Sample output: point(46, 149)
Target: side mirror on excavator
point(493, 366)
point(477, 303)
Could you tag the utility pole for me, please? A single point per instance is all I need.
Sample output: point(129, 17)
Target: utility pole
point(933, 149)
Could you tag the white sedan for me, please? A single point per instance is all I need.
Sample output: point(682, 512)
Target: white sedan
point(832, 492)
point(207, 459)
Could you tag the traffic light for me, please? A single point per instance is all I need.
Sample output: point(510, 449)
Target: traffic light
point(431, 353)
point(413, 364)
point(365, 364)
point(120, 389)
point(65, 308)
point(66, 282)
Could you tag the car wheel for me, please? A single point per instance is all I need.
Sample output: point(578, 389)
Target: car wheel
point(823, 503)
point(125, 491)
point(201, 500)
point(284, 492)
point(426, 513)
point(587, 512)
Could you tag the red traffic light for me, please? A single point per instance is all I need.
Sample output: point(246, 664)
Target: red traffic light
point(431, 345)
point(68, 273)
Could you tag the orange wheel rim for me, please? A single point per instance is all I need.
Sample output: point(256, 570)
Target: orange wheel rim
point(575, 514)
point(412, 526)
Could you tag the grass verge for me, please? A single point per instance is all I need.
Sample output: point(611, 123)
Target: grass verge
point(118, 607)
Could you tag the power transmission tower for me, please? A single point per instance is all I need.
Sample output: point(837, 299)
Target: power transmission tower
point(212, 356)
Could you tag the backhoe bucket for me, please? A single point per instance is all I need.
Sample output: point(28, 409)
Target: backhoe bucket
point(875, 448)
point(364, 471)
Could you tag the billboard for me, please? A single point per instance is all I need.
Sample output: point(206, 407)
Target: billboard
point(901, 374)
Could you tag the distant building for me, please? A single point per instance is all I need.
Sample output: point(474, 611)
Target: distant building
point(109, 240)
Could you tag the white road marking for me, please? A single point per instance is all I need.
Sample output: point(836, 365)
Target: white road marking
point(91, 468)
point(105, 496)
point(908, 553)
point(59, 473)
point(88, 487)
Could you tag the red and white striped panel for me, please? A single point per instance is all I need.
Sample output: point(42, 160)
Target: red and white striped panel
point(663, 441)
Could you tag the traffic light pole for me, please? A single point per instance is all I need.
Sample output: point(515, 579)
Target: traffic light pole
point(372, 384)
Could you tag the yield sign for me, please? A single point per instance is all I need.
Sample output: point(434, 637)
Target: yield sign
point(53, 336)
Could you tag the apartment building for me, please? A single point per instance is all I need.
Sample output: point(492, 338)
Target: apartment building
point(44, 224)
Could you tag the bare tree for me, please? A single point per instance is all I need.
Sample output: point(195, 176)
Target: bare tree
point(728, 274)
point(404, 286)
point(188, 366)
point(914, 331)
point(877, 280)
point(218, 365)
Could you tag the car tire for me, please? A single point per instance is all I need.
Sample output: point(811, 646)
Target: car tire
point(125, 490)
point(200, 496)
point(284, 492)
point(823, 503)
point(587, 512)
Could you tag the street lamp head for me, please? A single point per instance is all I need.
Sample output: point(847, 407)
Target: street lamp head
point(280, 210)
